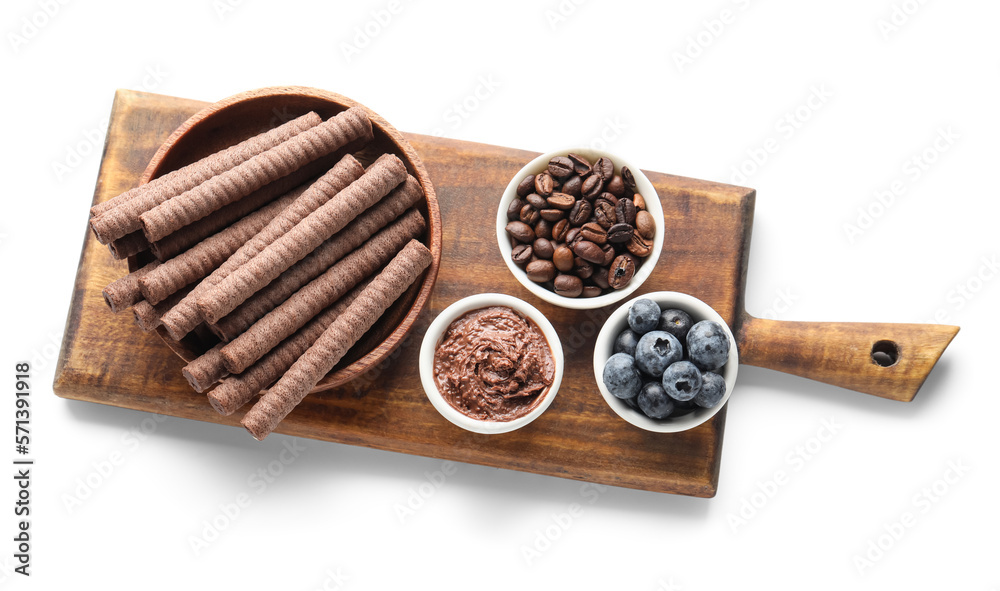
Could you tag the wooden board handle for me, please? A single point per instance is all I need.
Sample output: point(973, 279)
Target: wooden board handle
point(887, 360)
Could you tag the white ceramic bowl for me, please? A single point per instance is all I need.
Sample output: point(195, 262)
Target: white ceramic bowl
point(433, 337)
point(652, 205)
point(604, 348)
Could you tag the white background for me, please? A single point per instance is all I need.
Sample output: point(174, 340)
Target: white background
point(694, 89)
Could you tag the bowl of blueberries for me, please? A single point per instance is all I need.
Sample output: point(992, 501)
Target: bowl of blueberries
point(665, 362)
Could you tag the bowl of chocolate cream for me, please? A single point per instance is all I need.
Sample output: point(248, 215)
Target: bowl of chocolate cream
point(491, 363)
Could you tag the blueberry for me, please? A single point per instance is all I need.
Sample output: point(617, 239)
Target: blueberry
point(626, 342)
point(708, 345)
point(657, 350)
point(683, 408)
point(633, 402)
point(682, 381)
point(621, 377)
point(643, 315)
point(654, 402)
point(713, 388)
point(676, 322)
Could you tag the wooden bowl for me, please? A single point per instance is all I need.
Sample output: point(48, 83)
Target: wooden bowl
point(244, 115)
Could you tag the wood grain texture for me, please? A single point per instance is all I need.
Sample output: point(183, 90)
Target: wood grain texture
point(106, 359)
point(841, 353)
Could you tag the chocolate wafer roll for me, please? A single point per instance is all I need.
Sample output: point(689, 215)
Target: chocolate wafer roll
point(147, 316)
point(234, 184)
point(331, 346)
point(237, 390)
point(351, 237)
point(127, 246)
point(294, 312)
point(185, 316)
point(325, 188)
point(122, 217)
point(202, 258)
point(109, 204)
point(381, 177)
point(205, 370)
point(192, 234)
point(124, 292)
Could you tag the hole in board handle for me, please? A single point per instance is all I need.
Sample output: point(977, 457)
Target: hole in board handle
point(885, 353)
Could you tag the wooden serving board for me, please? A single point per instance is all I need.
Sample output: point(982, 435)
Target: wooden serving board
point(105, 358)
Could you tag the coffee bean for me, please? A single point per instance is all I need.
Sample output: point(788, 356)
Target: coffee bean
point(589, 251)
point(529, 215)
point(544, 184)
point(615, 186)
point(604, 168)
point(591, 291)
point(572, 235)
point(514, 209)
point(604, 213)
point(637, 261)
point(521, 254)
point(580, 213)
point(600, 278)
point(560, 167)
point(625, 211)
point(552, 215)
point(583, 269)
point(562, 258)
point(621, 272)
point(628, 179)
point(561, 201)
point(609, 254)
point(580, 164)
point(592, 187)
point(639, 246)
point(620, 233)
point(569, 286)
point(542, 248)
point(608, 197)
point(645, 224)
point(639, 201)
point(543, 229)
point(559, 230)
point(526, 186)
point(540, 271)
point(572, 186)
point(594, 232)
point(536, 201)
point(521, 231)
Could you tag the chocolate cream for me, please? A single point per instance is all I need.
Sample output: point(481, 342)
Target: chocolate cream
point(493, 364)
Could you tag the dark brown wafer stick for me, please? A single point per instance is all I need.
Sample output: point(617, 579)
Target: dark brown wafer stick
point(185, 316)
point(325, 188)
point(237, 390)
point(203, 258)
point(127, 246)
point(205, 370)
point(109, 204)
point(234, 184)
point(331, 346)
point(122, 217)
point(381, 177)
point(304, 304)
point(192, 234)
point(351, 237)
point(124, 292)
point(147, 316)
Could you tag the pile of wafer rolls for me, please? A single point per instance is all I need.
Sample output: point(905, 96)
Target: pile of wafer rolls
point(288, 270)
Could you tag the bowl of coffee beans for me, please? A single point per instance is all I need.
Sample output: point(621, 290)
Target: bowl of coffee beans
point(665, 362)
point(580, 228)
